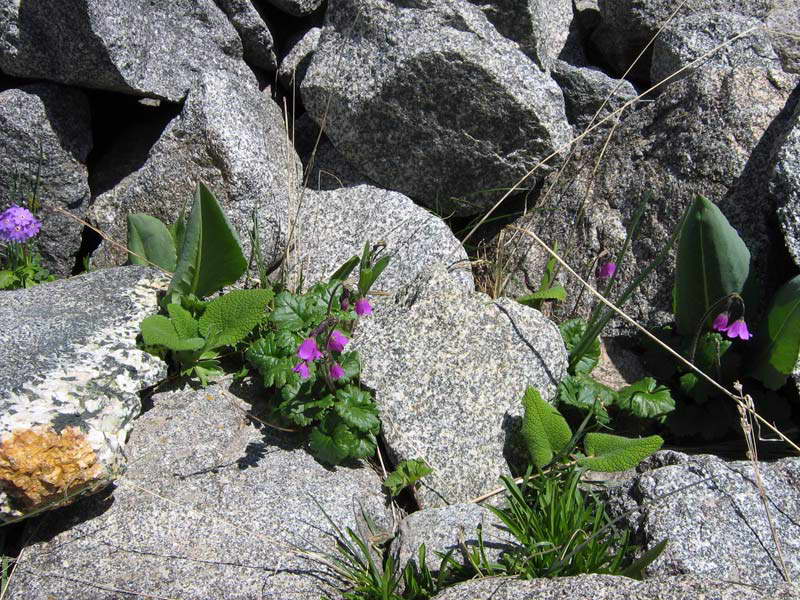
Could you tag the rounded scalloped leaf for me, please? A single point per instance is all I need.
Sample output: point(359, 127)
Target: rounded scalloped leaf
point(608, 453)
point(544, 430)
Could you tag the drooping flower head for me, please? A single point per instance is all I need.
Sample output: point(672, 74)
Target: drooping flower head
point(363, 307)
point(336, 371)
point(738, 329)
point(302, 369)
point(720, 323)
point(17, 224)
point(606, 270)
point(337, 341)
point(308, 350)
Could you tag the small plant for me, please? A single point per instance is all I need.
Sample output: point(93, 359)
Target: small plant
point(407, 473)
point(300, 354)
point(20, 263)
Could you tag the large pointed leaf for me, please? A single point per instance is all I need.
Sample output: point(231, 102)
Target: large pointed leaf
point(544, 430)
point(211, 256)
point(712, 263)
point(778, 337)
point(607, 453)
point(150, 240)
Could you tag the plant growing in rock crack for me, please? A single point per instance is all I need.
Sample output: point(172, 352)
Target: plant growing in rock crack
point(205, 254)
point(300, 354)
point(20, 262)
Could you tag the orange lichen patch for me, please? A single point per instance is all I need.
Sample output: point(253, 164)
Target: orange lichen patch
point(40, 467)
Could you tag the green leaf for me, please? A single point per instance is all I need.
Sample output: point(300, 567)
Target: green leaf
point(149, 238)
point(325, 448)
point(407, 473)
point(158, 330)
point(635, 570)
point(234, 315)
point(778, 338)
point(607, 453)
point(186, 326)
point(712, 263)
point(211, 256)
point(351, 365)
point(711, 347)
point(573, 331)
point(7, 279)
point(273, 363)
point(544, 430)
point(356, 408)
point(646, 399)
point(293, 312)
point(587, 395)
point(554, 293)
point(344, 271)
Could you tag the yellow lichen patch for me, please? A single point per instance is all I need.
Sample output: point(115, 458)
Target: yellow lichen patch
point(40, 467)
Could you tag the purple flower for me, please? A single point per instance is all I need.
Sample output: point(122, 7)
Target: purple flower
point(363, 307)
point(738, 329)
point(308, 350)
point(302, 369)
point(338, 341)
point(720, 323)
point(606, 271)
point(336, 371)
point(17, 224)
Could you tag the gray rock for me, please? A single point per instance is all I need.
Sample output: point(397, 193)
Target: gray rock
point(585, 91)
point(783, 23)
point(228, 135)
point(540, 27)
point(449, 369)
point(449, 528)
point(70, 373)
point(610, 587)
point(295, 64)
point(711, 134)
point(325, 167)
point(212, 507)
point(711, 512)
point(785, 185)
point(333, 226)
point(48, 123)
point(688, 38)
point(136, 47)
point(259, 47)
point(297, 8)
point(587, 14)
point(435, 84)
point(628, 25)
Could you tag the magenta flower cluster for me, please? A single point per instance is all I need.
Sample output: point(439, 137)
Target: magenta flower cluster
point(308, 351)
point(733, 330)
point(17, 224)
point(606, 270)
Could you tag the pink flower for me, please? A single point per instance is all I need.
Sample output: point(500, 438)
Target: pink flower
point(720, 323)
point(308, 350)
point(606, 271)
point(363, 307)
point(338, 341)
point(336, 371)
point(738, 329)
point(302, 369)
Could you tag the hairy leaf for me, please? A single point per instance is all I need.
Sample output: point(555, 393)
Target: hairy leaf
point(573, 331)
point(185, 324)
point(234, 315)
point(607, 453)
point(544, 430)
point(158, 330)
point(587, 395)
point(556, 292)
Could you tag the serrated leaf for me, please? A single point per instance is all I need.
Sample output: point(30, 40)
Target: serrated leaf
point(150, 240)
point(234, 315)
point(712, 262)
point(572, 332)
point(325, 448)
point(158, 330)
point(407, 473)
point(608, 453)
point(587, 395)
point(544, 430)
point(645, 399)
point(351, 364)
point(272, 363)
point(186, 326)
point(356, 408)
point(292, 312)
point(777, 347)
point(7, 279)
